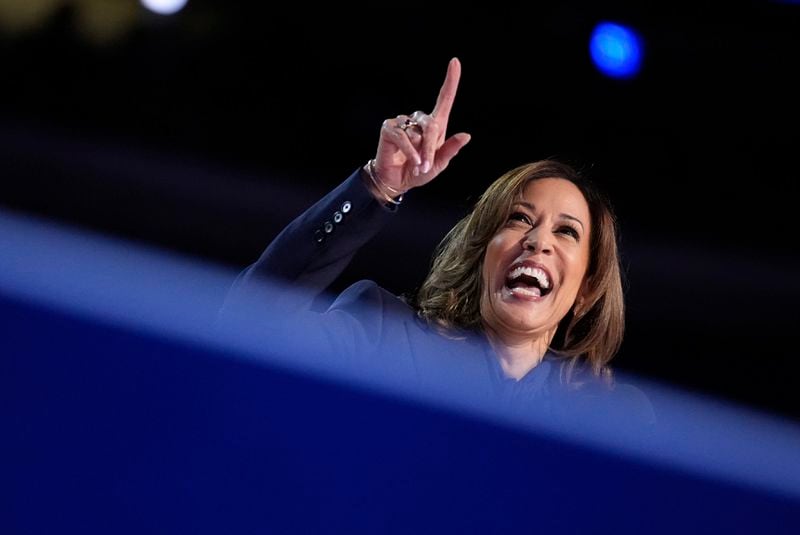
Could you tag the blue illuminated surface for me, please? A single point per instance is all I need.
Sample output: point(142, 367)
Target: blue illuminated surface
point(112, 379)
point(616, 50)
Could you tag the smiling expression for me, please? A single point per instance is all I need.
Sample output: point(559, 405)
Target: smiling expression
point(535, 265)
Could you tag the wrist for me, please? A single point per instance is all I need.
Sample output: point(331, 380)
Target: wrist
point(380, 190)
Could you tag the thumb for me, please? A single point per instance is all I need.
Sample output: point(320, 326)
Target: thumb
point(450, 148)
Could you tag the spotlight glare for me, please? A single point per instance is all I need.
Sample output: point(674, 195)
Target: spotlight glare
point(616, 50)
point(164, 7)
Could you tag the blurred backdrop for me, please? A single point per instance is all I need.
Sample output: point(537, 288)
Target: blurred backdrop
point(206, 130)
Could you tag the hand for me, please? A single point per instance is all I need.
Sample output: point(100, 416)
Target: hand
point(413, 150)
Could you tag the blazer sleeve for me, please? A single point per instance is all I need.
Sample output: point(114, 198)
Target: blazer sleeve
point(271, 301)
point(313, 250)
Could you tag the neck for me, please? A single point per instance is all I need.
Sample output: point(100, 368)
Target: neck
point(518, 355)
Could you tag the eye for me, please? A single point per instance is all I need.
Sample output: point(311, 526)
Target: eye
point(569, 231)
point(519, 216)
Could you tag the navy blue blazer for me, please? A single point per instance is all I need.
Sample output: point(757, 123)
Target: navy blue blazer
point(373, 330)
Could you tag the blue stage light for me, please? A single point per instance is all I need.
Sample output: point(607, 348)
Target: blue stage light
point(616, 50)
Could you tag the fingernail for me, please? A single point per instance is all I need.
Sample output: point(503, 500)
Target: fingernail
point(416, 170)
point(426, 166)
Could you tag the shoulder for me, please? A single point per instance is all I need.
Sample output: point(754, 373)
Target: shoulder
point(373, 305)
point(630, 402)
point(367, 293)
point(615, 400)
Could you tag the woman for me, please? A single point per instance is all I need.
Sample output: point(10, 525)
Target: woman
point(524, 296)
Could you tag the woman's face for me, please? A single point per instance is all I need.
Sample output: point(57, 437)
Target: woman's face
point(535, 264)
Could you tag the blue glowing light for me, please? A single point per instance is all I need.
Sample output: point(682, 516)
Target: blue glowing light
point(616, 50)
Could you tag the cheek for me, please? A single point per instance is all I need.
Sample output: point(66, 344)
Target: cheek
point(491, 259)
point(578, 266)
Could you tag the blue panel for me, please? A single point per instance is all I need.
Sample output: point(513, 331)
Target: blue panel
point(107, 431)
point(120, 414)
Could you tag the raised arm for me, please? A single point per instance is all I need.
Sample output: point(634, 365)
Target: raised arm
point(316, 247)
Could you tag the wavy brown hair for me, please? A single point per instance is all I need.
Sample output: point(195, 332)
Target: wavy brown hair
point(449, 298)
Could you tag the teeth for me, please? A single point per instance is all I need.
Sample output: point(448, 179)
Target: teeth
point(539, 274)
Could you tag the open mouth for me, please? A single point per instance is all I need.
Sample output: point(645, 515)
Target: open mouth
point(528, 280)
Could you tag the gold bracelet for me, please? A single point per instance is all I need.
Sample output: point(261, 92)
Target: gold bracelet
point(396, 192)
point(381, 186)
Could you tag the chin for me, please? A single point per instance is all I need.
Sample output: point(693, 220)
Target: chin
point(522, 311)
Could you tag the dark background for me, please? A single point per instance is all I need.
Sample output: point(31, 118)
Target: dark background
point(207, 131)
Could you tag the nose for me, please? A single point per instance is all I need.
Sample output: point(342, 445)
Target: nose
point(537, 241)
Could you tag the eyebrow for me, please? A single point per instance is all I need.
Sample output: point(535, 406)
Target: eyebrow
point(532, 208)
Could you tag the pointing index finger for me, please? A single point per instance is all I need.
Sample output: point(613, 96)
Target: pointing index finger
point(447, 94)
